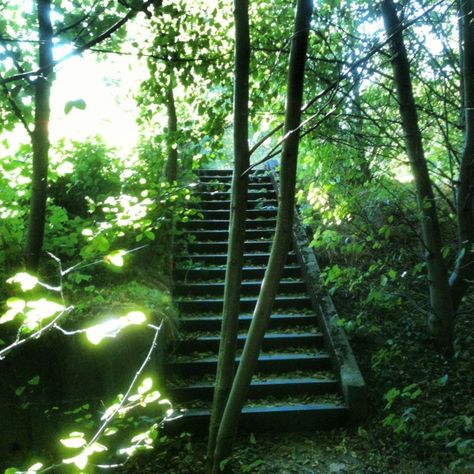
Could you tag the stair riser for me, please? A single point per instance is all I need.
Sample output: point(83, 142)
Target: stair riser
point(202, 367)
point(256, 259)
point(197, 306)
point(224, 224)
point(196, 324)
point(251, 214)
point(225, 196)
point(223, 236)
point(247, 288)
point(186, 394)
point(225, 205)
point(260, 422)
point(220, 247)
point(313, 341)
point(219, 273)
point(228, 179)
point(227, 172)
point(225, 186)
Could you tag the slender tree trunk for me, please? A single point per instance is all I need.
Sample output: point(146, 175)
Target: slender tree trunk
point(40, 138)
point(464, 271)
point(442, 315)
point(233, 278)
point(281, 242)
point(172, 160)
point(362, 161)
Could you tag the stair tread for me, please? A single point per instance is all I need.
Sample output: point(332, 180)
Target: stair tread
point(262, 358)
point(296, 281)
point(282, 408)
point(270, 382)
point(244, 316)
point(297, 296)
point(267, 336)
point(246, 255)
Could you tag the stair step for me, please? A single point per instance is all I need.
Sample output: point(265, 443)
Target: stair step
point(277, 321)
point(202, 274)
point(271, 341)
point(251, 213)
point(223, 224)
point(224, 186)
point(248, 288)
point(266, 418)
point(221, 258)
point(266, 364)
point(223, 235)
point(226, 172)
point(259, 178)
point(251, 204)
point(225, 195)
point(261, 389)
point(246, 303)
point(221, 247)
point(213, 172)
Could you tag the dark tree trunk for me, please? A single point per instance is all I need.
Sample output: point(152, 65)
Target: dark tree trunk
point(233, 278)
point(40, 138)
point(282, 239)
point(463, 274)
point(172, 146)
point(442, 314)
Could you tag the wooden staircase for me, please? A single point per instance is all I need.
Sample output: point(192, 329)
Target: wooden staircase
point(294, 387)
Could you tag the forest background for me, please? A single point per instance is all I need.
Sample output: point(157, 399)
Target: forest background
point(113, 186)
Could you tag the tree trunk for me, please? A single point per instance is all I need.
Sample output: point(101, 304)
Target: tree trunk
point(172, 146)
point(233, 278)
point(40, 138)
point(281, 242)
point(463, 274)
point(442, 315)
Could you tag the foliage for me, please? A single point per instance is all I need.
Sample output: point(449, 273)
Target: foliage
point(36, 316)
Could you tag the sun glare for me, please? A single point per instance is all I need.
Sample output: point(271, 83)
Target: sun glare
point(107, 87)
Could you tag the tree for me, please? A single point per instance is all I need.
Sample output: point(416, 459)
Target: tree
point(189, 47)
point(40, 136)
point(441, 304)
point(282, 239)
point(83, 30)
point(445, 294)
point(235, 260)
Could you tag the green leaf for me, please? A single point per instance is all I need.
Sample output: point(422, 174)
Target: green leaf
point(26, 281)
point(19, 391)
point(74, 442)
point(149, 235)
point(80, 461)
point(71, 104)
point(101, 243)
point(115, 258)
point(111, 328)
point(34, 381)
point(145, 386)
point(34, 468)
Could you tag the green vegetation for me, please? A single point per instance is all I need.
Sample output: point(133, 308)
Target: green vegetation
point(91, 231)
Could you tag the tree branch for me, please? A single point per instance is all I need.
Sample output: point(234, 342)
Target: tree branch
point(103, 36)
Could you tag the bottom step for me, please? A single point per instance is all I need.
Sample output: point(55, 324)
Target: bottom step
point(263, 418)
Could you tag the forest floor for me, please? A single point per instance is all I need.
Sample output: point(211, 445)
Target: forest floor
point(338, 451)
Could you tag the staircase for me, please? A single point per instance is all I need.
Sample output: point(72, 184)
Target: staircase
point(294, 387)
